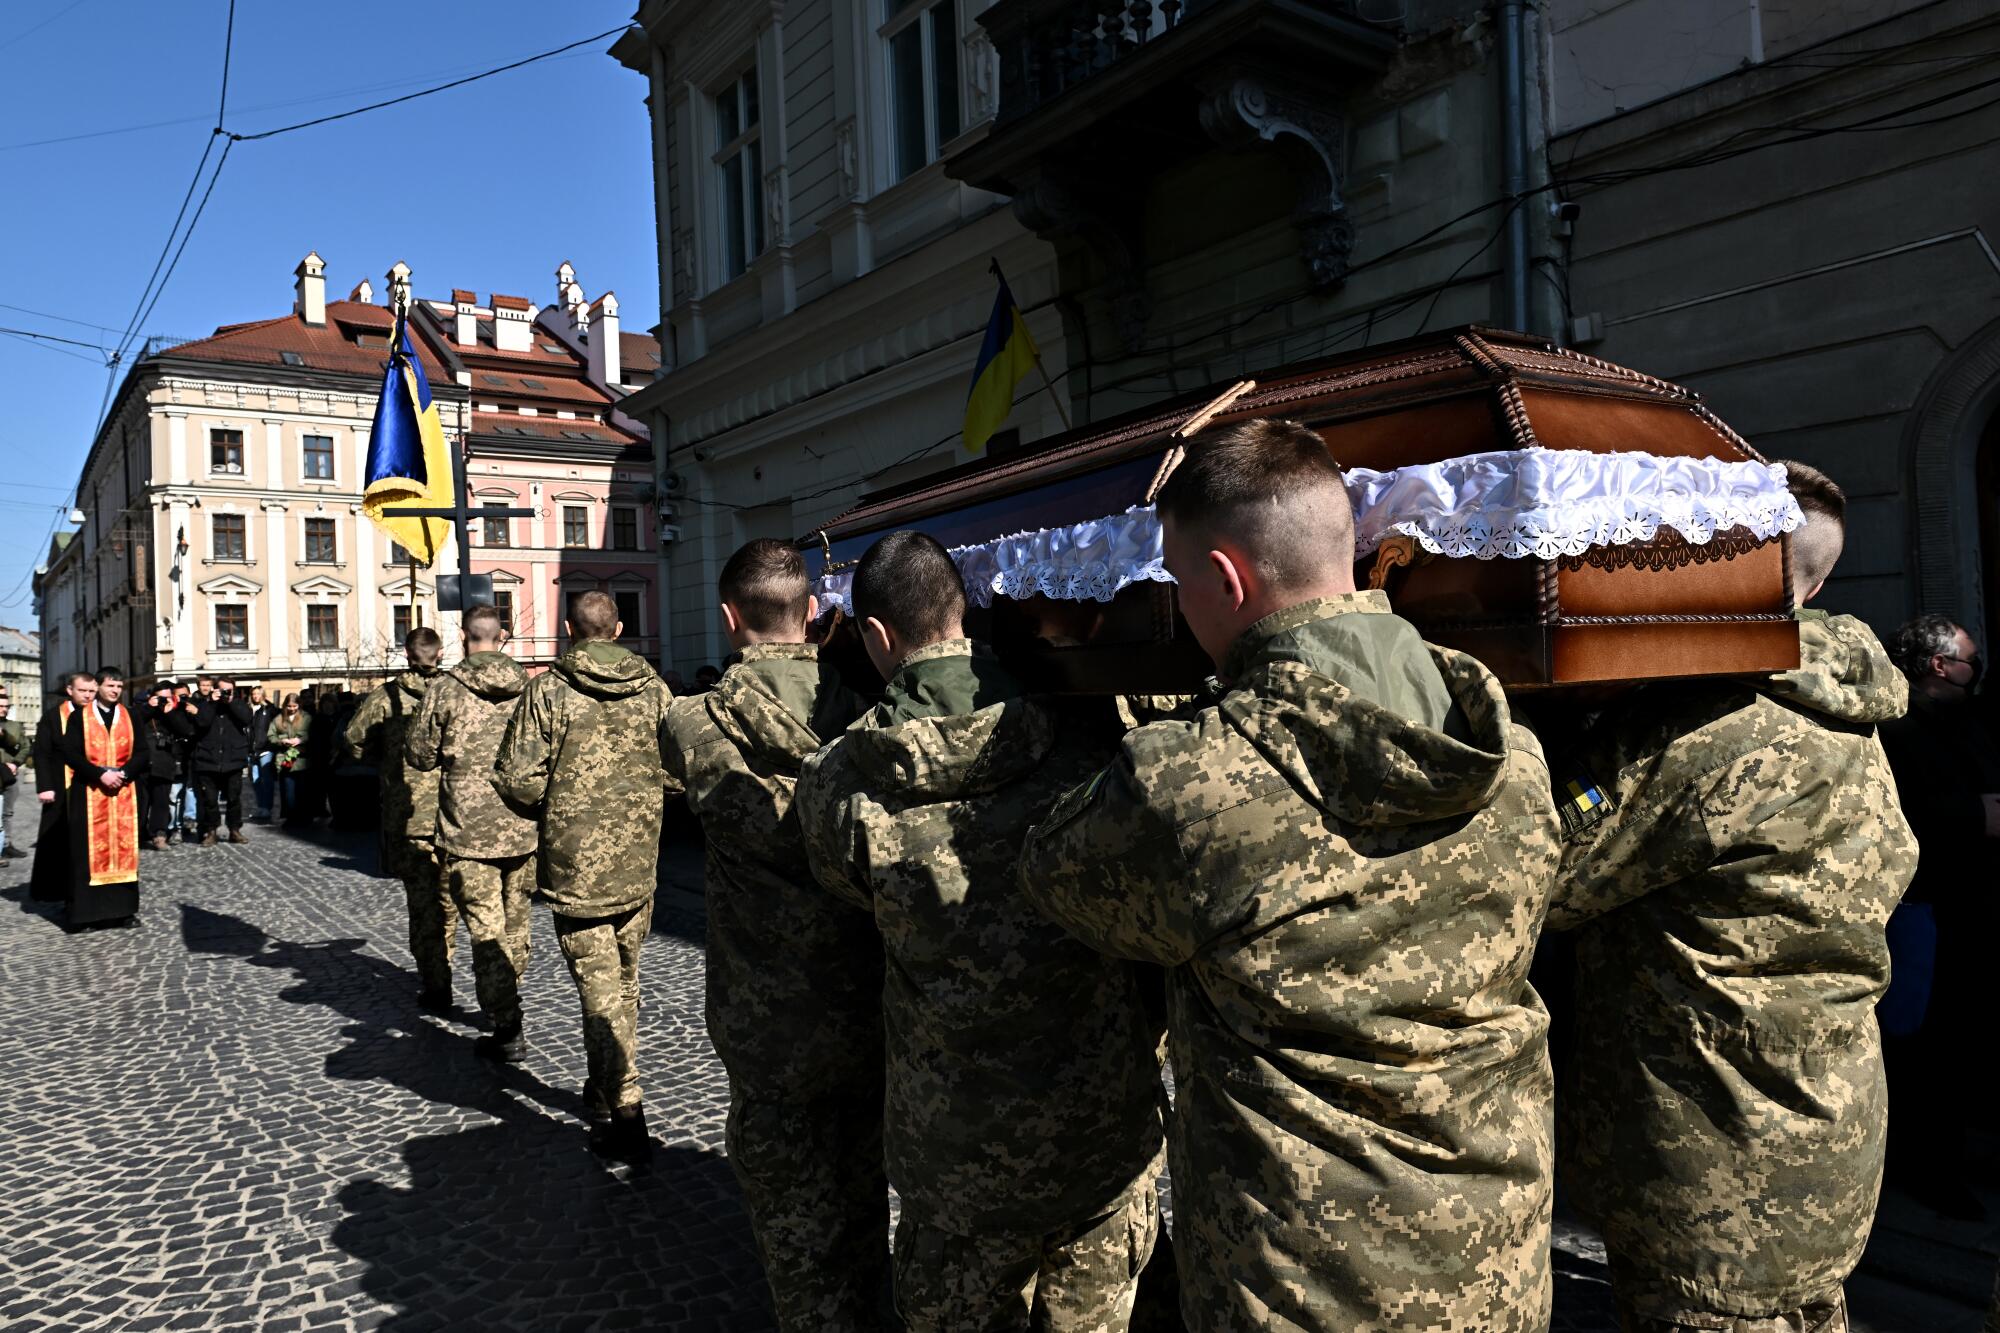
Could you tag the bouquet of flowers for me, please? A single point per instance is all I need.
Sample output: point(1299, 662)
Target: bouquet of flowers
point(287, 757)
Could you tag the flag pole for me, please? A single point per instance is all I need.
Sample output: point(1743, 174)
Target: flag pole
point(993, 267)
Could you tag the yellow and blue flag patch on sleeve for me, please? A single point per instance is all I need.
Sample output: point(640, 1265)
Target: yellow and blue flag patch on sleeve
point(1583, 804)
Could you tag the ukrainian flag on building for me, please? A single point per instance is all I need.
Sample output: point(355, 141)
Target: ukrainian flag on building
point(407, 462)
point(1005, 359)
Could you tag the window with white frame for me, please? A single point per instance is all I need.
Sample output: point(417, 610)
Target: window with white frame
point(924, 79)
point(232, 627)
point(317, 458)
point(323, 626)
point(739, 174)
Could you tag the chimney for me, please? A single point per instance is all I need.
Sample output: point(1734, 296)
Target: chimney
point(513, 323)
point(604, 348)
point(310, 302)
point(465, 308)
point(364, 292)
point(569, 296)
point(398, 278)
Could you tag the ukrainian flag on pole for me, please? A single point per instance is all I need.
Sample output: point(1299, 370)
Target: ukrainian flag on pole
point(407, 462)
point(1005, 359)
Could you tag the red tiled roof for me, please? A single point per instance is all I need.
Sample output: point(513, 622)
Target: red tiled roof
point(505, 424)
point(511, 302)
point(511, 382)
point(640, 351)
point(460, 296)
point(327, 347)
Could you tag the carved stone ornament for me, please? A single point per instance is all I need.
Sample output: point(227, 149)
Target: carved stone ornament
point(777, 206)
point(847, 159)
point(982, 62)
point(1243, 109)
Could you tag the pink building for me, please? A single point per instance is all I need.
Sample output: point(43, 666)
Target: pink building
point(545, 433)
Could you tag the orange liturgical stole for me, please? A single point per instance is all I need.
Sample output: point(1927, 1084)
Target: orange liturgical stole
point(111, 819)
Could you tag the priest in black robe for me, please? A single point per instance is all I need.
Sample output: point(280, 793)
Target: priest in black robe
point(50, 882)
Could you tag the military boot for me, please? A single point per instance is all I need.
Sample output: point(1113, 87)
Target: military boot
point(504, 1046)
point(624, 1136)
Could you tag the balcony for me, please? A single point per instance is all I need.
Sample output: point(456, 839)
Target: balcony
point(1099, 97)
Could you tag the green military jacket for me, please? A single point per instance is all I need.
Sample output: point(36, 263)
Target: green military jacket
point(794, 975)
point(1023, 1083)
point(458, 731)
point(375, 734)
point(13, 749)
point(1725, 1126)
point(1345, 860)
point(584, 747)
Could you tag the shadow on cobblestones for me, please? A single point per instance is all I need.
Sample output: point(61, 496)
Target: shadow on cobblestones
point(50, 912)
point(515, 1225)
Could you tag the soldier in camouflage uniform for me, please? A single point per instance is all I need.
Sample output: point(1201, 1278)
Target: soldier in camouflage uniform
point(1734, 851)
point(584, 747)
point(375, 734)
point(794, 976)
point(486, 845)
point(1022, 1120)
point(1344, 858)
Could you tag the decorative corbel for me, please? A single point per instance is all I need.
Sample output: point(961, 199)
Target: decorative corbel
point(1242, 108)
point(1057, 202)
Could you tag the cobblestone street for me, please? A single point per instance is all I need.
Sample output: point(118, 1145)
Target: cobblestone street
point(235, 1116)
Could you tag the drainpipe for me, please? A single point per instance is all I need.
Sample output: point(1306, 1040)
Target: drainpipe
point(1514, 157)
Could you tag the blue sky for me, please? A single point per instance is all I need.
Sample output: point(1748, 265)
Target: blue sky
point(488, 186)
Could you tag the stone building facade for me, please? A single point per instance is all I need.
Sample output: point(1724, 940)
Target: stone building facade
point(823, 281)
point(1788, 208)
point(21, 674)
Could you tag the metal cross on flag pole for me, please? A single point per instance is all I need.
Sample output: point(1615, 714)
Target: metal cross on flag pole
point(408, 460)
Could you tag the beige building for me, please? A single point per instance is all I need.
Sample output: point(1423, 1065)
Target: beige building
point(21, 674)
point(222, 529)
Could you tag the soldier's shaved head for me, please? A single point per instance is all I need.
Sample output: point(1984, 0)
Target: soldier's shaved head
point(423, 646)
point(766, 586)
point(483, 627)
point(909, 582)
point(1274, 491)
point(1816, 547)
point(593, 615)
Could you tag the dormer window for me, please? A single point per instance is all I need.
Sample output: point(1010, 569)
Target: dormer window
point(291, 358)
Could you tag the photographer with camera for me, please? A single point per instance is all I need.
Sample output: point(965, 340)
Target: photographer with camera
point(163, 766)
point(218, 725)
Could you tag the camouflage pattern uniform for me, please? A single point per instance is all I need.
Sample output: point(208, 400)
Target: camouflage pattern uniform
point(1022, 1106)
point(485, 844)
point(794, 989)
point(584, 746)
point(375, 734)
point(1345, 859)
point(1725, 1125)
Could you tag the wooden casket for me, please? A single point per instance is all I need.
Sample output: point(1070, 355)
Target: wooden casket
point(1564, 519)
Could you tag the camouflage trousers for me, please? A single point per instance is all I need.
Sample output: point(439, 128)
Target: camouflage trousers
point(603, 957)
point(433, 917)
point(1079, 1280)
point(819, 1206)
point(1819, 1317)
point(492, 897)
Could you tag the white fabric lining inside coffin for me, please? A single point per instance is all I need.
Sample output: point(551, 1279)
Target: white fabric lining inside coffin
point(1508, 504)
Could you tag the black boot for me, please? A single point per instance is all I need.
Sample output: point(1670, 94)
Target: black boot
point(624, 1136)
point(503, 1046)
point(434, 1001)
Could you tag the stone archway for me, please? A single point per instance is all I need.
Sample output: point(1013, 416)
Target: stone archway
point(1953, 416)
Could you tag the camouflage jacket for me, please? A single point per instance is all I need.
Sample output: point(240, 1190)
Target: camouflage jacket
point(1725, 1124)
point(1023, 1087)
point(13, 741)
point(1345, 860)
point(794, 976)
point(584, 747)
point(375, 734)
point(458, 730)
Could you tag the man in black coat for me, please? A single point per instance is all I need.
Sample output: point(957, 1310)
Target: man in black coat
point(1948, 776)
point(218, 725)
point(163, 764)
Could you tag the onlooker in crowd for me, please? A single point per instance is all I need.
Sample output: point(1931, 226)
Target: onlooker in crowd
point(263, 777)
point(184, 793)
point(676, 683)
point(163, 764)
point(13, 752)
point(705, 678)
point(218, 724)
point(1948, 774)
point(290, 737)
